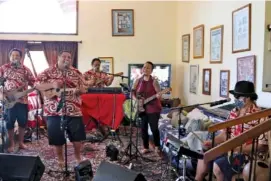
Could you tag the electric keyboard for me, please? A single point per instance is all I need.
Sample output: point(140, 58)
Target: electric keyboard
point(105, 90)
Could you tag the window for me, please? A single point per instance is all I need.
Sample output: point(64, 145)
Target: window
point(38, 16)
point(39, 61)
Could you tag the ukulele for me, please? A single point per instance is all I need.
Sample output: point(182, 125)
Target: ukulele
point(99, 80)
point(140, 103)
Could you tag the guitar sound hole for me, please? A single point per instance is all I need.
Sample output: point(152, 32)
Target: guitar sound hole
point(58, 89)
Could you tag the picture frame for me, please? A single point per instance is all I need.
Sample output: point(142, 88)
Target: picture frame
point(194, 78)
point(107, 64)
point(224, 83)
point(186, 48)
point(216, 44)
point(241, 29)
point(206, 81)
point(123, 22)
point(198, 42)
point(246, 68)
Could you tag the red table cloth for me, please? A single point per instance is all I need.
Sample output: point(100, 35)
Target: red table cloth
point(106, 108)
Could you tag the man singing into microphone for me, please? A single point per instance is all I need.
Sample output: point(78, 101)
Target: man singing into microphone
point(95, 77)
point(17, 78)
point(64, 74)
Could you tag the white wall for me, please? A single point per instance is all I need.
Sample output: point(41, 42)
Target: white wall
point(155, 34)
point(213, 13)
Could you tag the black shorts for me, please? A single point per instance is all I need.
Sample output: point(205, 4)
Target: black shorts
point(18, 112)
point(75, 130)
point(230, 169)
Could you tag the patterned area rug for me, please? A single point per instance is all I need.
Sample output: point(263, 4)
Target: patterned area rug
point(96, 153)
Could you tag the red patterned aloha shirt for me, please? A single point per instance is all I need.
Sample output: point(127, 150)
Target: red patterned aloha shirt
point(74, 79)
point(237, 130)
point(17, 78)
point(91, 74)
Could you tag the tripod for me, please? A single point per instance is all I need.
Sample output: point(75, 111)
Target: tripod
point(64, 126)
point(169, 168)
point(183, 177)
point(128, 150)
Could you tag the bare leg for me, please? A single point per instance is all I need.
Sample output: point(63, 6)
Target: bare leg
point(21, 138)
point(77, 151)
point(202, 169)
point(60, 157)
point(11, 140)
point(217, 172)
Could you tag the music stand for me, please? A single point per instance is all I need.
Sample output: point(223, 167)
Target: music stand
point(128, 150)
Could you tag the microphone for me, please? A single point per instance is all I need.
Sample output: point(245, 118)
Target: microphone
point(27, 52)
point(220, 102)
point(66, 64)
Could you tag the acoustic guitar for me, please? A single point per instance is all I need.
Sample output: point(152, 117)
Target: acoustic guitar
point(141, 103)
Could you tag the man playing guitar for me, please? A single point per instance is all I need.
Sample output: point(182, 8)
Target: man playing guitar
point(95, 77)
point(16, 77)
point(62, 73)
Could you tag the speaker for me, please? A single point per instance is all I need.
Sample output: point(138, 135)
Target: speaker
point(20, 168)
point(112, 172)
point(83, 171)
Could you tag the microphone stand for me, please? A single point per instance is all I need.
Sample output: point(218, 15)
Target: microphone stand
point(38, 96)
point(116, 75)
point(64, 125)
point(3, 126)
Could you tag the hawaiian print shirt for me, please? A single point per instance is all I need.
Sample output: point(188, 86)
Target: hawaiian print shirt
point(18, 78)
point(237, 130)
point(101, 79)
point(73, 79)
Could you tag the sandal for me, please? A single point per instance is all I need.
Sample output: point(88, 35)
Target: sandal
point(145, 151)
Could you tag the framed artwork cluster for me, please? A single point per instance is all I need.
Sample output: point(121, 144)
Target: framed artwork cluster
point(241, 42)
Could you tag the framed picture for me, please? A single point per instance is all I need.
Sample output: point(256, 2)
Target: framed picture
point(194, 78)
point(186, 48)
point(107, 64)
point(246, 68)
point(122, 22)
point(224, 83)
point(216, 44)
point(198, 41)
point(206, 81)
point(241, 29)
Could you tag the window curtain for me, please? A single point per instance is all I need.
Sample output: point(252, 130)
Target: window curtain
point(7, 45)
point(51, 50)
